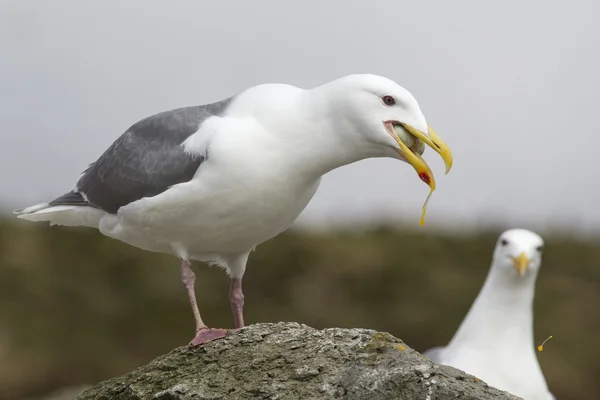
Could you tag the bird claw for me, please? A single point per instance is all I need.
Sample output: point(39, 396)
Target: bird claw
point(206, 335)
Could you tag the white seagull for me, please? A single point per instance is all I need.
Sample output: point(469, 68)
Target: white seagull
point(211, 182)
point(495, 340)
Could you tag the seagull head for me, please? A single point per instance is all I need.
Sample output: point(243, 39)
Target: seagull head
point(519, 251)
point(387, 118)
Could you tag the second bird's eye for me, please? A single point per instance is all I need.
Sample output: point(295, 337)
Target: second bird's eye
point(388, 100)
point(504, 242)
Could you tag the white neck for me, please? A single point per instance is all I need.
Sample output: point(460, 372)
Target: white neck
point(501, 311)
point(333, 141)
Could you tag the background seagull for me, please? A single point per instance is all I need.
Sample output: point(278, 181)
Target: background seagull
point(495, 340)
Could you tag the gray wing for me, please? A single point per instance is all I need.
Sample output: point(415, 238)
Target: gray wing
point(143, 162)
point(434, 354)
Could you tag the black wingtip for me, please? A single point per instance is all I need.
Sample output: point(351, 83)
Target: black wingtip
point(70, 199)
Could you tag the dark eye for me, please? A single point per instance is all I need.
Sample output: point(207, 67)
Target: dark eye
point(388, 100)
point(504, 242)
point(540, 249)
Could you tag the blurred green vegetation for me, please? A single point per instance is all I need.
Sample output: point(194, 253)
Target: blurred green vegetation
point(77, 307)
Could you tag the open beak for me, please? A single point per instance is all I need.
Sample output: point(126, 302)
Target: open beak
point(414, 158)
point(413, 150)
point(521, 263)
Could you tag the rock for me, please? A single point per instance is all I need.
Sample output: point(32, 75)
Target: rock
point(293, 361)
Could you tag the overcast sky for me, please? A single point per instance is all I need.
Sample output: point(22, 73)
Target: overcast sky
point(511, 86)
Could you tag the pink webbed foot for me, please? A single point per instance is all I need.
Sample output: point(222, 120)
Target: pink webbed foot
point(206, 335)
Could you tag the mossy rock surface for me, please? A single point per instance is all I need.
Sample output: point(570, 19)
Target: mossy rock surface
point(293, 361)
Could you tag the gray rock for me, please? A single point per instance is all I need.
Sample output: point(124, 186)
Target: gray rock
point(293, 361)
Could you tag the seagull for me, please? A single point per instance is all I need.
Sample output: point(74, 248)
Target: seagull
point(495, 340)
point(211, 182)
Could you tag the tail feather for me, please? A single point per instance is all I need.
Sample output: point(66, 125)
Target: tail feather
point(67, 215)
point(31, 209)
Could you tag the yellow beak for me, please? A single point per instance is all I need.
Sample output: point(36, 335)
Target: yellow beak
point(521, 263)
point(415, 159)
point(435, 142)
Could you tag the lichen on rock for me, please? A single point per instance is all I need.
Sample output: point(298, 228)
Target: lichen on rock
point(292, 361)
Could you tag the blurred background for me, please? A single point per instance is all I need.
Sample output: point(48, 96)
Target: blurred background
point(511, 86)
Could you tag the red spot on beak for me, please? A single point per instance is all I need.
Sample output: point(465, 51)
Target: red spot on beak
point(425, 177)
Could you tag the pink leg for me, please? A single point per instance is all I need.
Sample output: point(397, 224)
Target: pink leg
point(236, 299)
point(203, 333)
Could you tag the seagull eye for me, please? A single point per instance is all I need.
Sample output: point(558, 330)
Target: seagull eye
point(504, 242)
point(540, 249)
point(388, 100)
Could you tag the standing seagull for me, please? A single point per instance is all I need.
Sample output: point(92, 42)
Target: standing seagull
point(212, 182)
point(495, 340)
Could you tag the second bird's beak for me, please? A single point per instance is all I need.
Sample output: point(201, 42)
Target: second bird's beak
point(414, 158)
point(521, 263)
